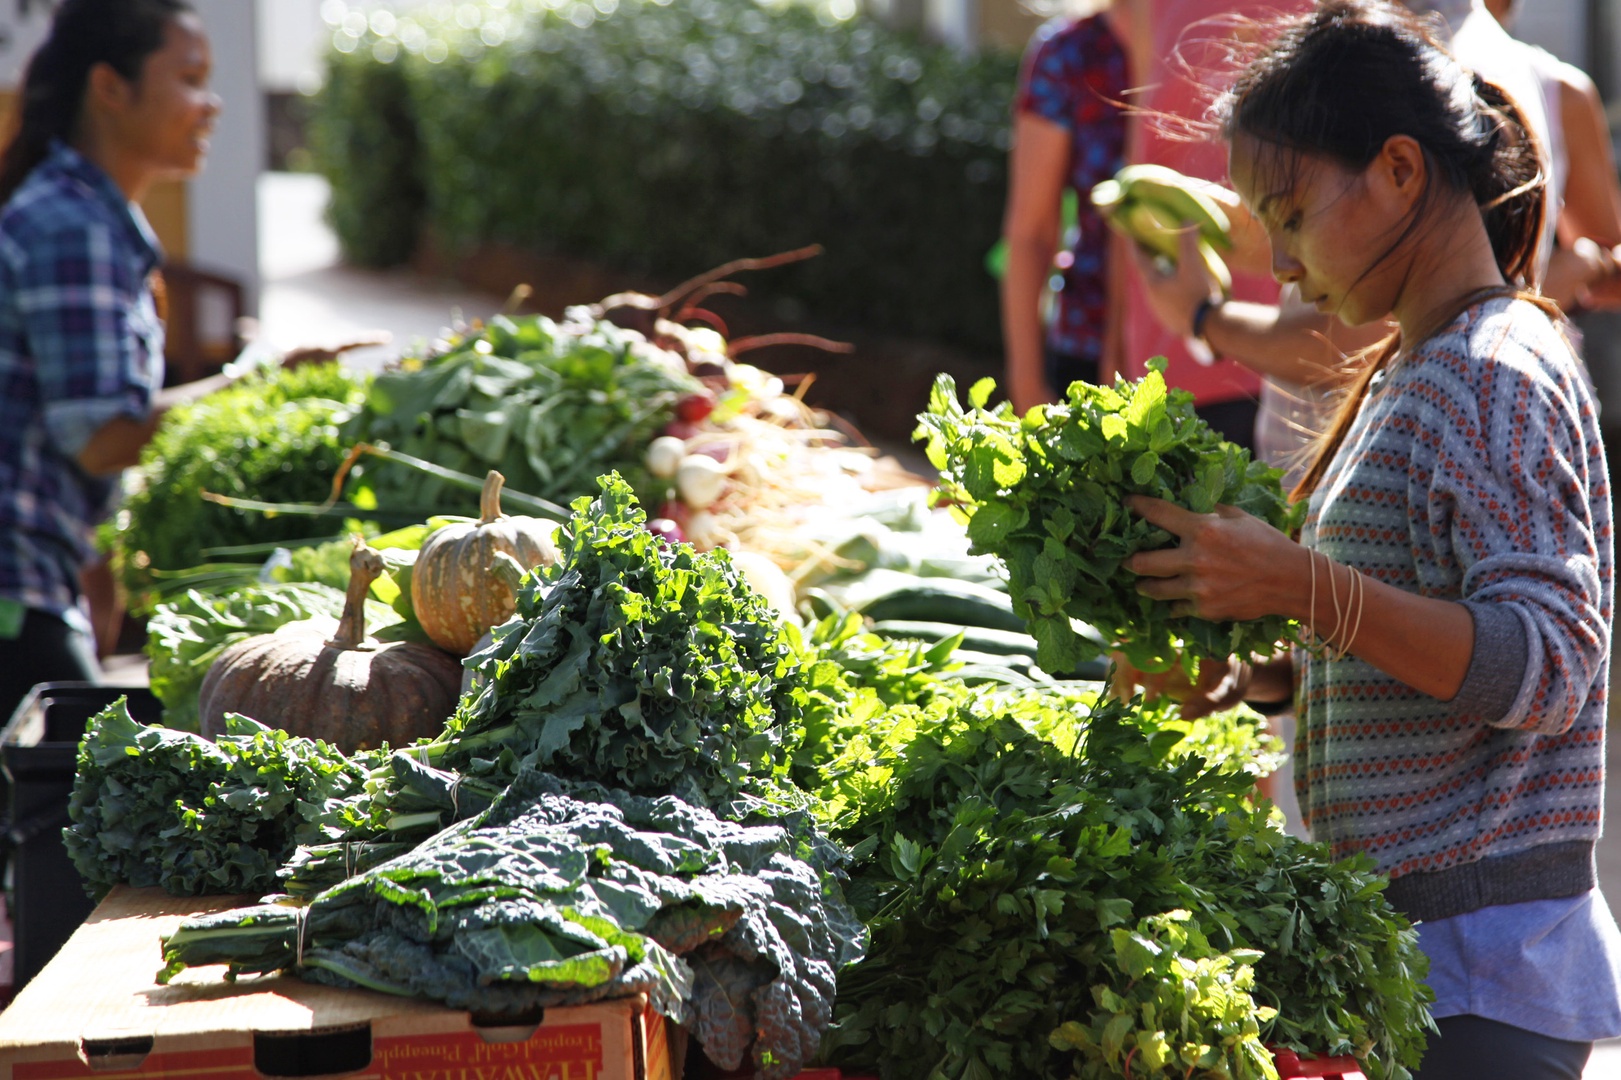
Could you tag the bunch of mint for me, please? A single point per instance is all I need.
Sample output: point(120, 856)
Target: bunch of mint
point(1046, 493)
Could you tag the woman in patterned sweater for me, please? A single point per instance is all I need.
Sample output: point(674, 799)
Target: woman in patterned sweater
point(1456, 565)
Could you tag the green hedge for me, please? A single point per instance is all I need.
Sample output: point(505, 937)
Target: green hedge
point(673, 136)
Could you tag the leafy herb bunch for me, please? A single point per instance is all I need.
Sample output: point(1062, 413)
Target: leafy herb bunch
point(272, 437)
point(1046, 494)
point(638, 664)
point(1011, 886)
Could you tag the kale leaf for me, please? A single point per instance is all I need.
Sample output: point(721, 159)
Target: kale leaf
point(639, 664)
point(153, 806)
point(562, 893)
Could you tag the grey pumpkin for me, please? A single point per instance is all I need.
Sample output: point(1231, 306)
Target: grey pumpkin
point(353, 691)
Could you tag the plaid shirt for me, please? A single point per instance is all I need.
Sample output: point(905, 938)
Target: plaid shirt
point(80, 344)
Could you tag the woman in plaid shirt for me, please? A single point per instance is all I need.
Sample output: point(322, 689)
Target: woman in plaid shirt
point(116, 99)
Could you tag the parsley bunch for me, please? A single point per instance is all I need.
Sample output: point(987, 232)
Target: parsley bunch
point(273, 437)
point(1046, 494)
point(1013, 860)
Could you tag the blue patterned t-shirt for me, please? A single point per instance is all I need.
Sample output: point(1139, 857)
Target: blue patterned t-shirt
point(80, 344)
point(1075, 76)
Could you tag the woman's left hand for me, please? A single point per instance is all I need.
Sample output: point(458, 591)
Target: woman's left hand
point(1221, 684)
point(1226, 564)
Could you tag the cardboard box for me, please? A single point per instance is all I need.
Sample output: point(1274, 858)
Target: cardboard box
point(97, 1011)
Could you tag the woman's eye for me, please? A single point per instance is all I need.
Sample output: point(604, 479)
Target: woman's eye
point(1292, 222)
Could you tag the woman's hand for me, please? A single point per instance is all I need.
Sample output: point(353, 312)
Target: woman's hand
point(1221, 684)
point(1226, 564)
point(1175, 292)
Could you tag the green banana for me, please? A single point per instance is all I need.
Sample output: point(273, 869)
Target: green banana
point(1217, 267)
point(1154, 206)
point(1180, 195)
point(1107, 195)
point(1151, 226)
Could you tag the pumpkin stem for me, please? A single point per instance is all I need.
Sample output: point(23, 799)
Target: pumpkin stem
point(507, 570)
point(489, 500)
point(365, 567)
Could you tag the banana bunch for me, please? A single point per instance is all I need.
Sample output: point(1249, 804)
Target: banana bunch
point(1154, 205)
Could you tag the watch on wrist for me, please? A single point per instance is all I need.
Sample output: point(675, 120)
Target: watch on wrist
point(1201, 315)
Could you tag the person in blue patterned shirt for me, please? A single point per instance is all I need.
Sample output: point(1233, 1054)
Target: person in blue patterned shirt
point(1069, 132)
point(115, 99)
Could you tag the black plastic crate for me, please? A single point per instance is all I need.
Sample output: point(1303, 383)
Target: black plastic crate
point(37, 751)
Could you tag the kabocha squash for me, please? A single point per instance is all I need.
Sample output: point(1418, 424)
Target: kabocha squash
point(336, 684)
point(455, 596)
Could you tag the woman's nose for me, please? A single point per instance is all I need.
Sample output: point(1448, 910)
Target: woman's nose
point(1285, 267)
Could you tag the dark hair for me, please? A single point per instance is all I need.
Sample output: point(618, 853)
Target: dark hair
point(84, 33)
point(1343, 79)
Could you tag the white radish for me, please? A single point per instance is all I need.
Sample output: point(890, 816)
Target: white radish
point(702, 527)
point(699, 480)
point(664, 456)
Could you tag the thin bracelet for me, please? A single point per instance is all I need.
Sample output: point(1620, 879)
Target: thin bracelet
point(1360, 587)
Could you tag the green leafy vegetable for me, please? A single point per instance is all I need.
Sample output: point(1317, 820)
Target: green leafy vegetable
point(561, 894)
point(548, 405)
point(1000, 842)
point(634, 663)
point(152, 806)
point(1046, 494)
point(273, 438)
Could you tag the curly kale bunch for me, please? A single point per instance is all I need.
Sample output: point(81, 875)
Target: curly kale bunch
point(637, 664)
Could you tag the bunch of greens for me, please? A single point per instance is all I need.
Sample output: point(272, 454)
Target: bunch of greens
point(1183, 1008)
point(153, 806)
point(635, 663)
point(270, 438)
point(1000, 840)
point(852, 678)
point(186, 633)
point(560, 894)
point(548, 405)
point(1046, 494)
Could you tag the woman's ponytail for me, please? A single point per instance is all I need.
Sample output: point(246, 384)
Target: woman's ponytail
point(1509, 184)
point(84, 33)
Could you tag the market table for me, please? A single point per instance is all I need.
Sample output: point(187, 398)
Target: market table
point(96, 1010)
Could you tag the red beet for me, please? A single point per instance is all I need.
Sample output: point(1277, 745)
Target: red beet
point(667, 530)
point(695, 408)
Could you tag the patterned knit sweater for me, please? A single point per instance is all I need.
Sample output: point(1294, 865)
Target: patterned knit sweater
point(1474, 472)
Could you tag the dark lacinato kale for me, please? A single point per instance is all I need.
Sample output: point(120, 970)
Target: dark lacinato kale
point(564, 893)
point(1046, 494)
